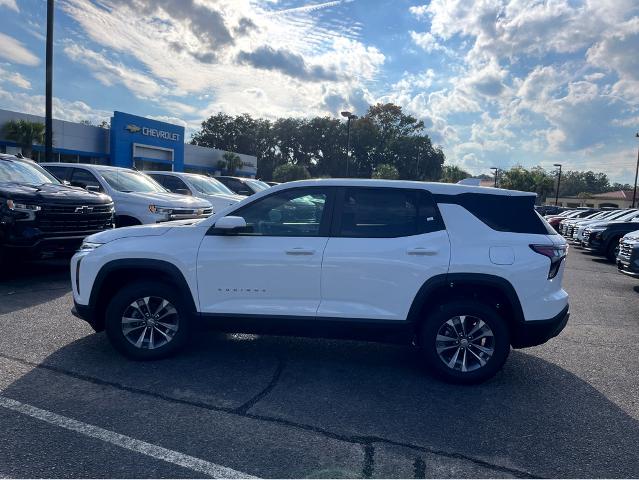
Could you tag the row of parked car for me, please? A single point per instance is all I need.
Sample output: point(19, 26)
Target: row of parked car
point(612, 233)
point(48, 209)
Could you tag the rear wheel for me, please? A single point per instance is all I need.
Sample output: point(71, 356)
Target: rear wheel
point(465, 342)
point(147, 321)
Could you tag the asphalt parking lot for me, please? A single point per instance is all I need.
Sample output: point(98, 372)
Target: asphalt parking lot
point(288, 407)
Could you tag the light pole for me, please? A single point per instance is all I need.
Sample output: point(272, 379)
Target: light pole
point(558, 183)
point(496, 173)
point(48, 122)
point(634, 193)
point(349, 116)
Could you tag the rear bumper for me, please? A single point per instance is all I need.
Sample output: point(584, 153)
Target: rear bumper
point(531, 333)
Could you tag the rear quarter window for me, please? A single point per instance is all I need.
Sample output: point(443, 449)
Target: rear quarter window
point(503, 213)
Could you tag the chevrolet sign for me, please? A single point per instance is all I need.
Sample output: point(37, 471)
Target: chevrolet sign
point(153, 132)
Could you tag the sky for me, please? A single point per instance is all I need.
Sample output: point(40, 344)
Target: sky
point(497, 83)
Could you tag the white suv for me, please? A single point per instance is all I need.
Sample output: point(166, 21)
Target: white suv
point(464, 272)
point(137, 197)
point(196, 185)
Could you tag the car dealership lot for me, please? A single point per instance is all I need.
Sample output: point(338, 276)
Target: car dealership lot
point(289, 407)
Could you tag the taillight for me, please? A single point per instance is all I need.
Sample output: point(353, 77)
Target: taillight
point(556, 253)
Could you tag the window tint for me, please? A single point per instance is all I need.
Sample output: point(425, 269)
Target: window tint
point(59, 172)
point(292, 213)
point(502, 213)
point(387, 213)
point(84, 178)
point(172, 183)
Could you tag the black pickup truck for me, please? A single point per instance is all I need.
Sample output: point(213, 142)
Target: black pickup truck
point(604, 239)
point(40, 216)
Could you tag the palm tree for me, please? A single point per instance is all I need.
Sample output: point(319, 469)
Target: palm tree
point(233, 162)
point(25, 134)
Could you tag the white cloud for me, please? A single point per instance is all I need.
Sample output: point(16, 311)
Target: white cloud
point(10, 4)
point(14, 78)
point(14, 51)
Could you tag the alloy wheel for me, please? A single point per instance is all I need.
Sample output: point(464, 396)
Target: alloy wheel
point(465, 343)
point(150, 322)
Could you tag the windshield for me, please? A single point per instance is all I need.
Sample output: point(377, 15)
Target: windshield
point(258, 185)
point(209, 186)
point(24, 172)
point(629, 216)
point(128, 181)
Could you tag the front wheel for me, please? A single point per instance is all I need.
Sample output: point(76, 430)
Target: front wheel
point(147, 321)
point(613, 250)
point(465, 342)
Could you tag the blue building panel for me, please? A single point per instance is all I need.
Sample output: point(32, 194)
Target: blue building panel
point(127, 130)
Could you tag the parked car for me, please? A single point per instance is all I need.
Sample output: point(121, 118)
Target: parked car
point(568, 228)
point(195, 185)
point(465, 272)
point(40, 217)
point(628, 256)
point(243, 186)
point(604, 239)
point(554, 221)
point(138, 198)
point(576, 233)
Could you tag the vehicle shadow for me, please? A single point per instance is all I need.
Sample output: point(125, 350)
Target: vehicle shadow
point(534, 416)
point(26, 284)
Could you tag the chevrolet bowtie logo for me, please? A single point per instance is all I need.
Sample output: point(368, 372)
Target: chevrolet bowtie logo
point(84, 209)
point(133, 128)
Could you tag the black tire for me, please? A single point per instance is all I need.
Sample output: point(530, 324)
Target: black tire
point(613, 249)
point(472, 310)
point(121, 306)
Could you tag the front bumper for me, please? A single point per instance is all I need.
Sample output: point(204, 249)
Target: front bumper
point(629, 266)
point(85, 312)
point(531, 333)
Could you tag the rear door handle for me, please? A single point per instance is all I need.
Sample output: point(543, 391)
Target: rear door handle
point(300, 251)
point(422, 251)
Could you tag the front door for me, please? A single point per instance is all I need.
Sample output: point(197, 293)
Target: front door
point(273, 267)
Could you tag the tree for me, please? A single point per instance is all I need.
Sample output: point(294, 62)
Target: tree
point(25, 134)
point(386, 171)
point(290, 173)
point(232, 162)
point(534, 180)
point(453, 174)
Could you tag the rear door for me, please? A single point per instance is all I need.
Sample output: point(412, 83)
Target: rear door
point(385, 243)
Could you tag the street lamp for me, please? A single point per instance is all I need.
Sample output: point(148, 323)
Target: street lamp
point(349, 116)
point(496, 173)
point(558, 183)
point(48, 121)
point(634, 193)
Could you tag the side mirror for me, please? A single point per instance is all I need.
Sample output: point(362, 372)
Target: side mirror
point(92, 188)
point(182, 191)
point(230, 224)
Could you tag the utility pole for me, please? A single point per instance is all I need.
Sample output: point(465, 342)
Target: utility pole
point(48, 123)
point(349, 116)
point(496, 173)
point(558, 183)
point(634, 193)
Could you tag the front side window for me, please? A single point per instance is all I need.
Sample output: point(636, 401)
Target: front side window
point(387, 213)
point(291, 213)
point(128, 181)
point(172, 183)
point(83, 178)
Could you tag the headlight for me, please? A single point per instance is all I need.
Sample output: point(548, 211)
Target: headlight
point(160, 210)
point(88, 246)
point(22, 207)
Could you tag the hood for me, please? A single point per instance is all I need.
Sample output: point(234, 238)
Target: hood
point(51, 193)
point(224, 196)
point(151, 230)
point(633, 236)
point(166, 199)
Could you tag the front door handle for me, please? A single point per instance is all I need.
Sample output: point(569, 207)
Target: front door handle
point(300, 251)
point(422, 251)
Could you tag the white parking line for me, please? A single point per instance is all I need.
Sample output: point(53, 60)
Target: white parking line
point(161, 453)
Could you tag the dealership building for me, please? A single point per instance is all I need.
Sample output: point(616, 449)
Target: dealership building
point(131, 141)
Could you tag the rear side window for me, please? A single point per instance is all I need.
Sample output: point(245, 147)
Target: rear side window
point(386, 213)
point(502, 213)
